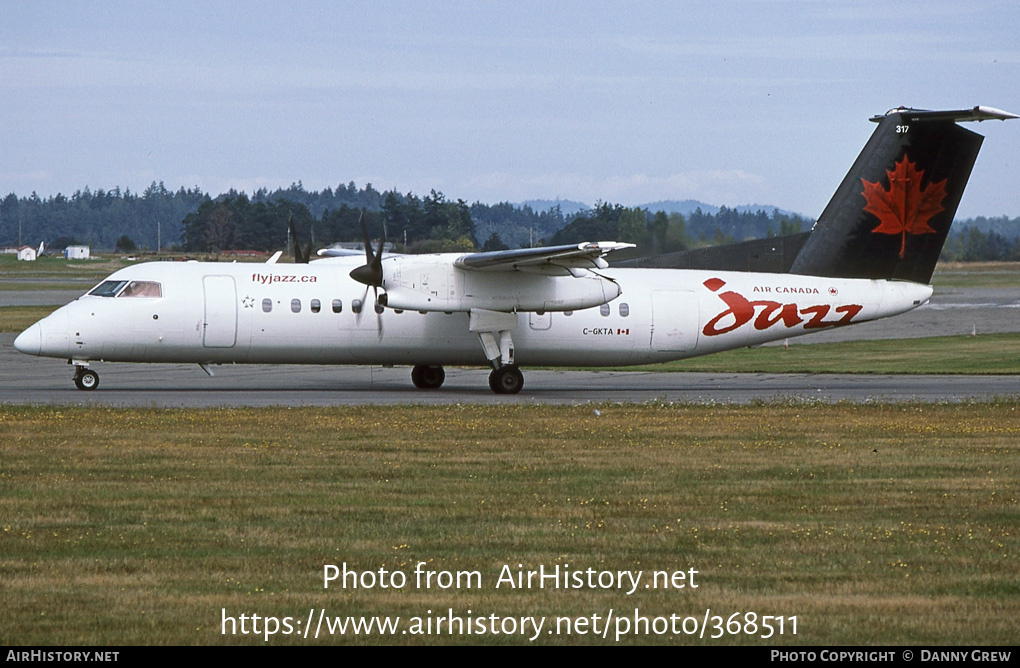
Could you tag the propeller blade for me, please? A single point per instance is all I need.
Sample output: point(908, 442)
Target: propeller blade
point(378, 318)
point(357, 314)
point(300, 257)
point(364, 235)
point(382, 243)
point(370, 273)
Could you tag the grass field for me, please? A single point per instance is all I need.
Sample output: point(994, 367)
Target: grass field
point(23, 275)
point(14, 319)
point(977, 274)
point(982, 354)
point(869, 524)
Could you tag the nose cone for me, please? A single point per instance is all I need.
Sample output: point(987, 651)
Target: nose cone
point(48, 337)
point(30, 340)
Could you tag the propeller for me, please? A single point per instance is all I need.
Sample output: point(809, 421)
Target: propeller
point(300, 257)
point(370, 274)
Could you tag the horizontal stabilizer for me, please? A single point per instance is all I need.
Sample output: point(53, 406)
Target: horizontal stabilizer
point(978, 114)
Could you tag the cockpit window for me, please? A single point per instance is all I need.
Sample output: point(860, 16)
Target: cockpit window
point(127, 289)
point(108, 288)
point(142, 289)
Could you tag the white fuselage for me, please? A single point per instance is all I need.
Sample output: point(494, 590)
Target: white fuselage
point(211, 313)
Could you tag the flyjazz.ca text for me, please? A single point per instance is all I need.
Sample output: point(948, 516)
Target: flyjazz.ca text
point(265, 279)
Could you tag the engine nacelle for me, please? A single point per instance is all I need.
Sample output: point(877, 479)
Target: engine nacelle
point(432, 283)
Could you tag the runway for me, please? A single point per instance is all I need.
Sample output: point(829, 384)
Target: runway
point(29, 380)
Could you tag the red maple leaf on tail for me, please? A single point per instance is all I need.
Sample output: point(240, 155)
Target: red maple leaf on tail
point(905, 208)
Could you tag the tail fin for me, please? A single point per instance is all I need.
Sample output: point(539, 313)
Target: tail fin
point(892, 212)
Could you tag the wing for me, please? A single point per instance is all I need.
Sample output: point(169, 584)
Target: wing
point(340, 252)
point(554, 260)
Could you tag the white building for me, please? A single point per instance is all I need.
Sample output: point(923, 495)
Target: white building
point(76, 252)
point(23, 252)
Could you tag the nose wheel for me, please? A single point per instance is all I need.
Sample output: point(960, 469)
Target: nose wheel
point(506, 379)
point(86, 379)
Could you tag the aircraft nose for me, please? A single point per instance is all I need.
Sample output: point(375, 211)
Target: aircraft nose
point(30, 340)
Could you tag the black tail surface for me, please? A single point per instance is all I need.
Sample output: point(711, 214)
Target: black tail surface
point(892, 212)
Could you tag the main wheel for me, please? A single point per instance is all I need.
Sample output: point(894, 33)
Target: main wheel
point(86, 379)
point(507, 379)
point(428, 377)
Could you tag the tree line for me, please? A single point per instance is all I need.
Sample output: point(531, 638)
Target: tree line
point(661, 232)
point(970, 243)
point(192, 221)
point(98, 218)
point(417, 225)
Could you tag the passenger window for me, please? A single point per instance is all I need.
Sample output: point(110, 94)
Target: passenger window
point(356, 305)
point(604, 309)
point(315, 306)
point(267, 305)
point(379, 307)
point(624, 310)
point(295, 305)
point(338, 306)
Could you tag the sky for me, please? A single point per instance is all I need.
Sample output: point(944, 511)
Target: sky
point(730, 103)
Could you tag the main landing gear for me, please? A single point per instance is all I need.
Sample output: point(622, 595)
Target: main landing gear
point(493, 329)
point(506, 379)
point(427, 377)
point(85, 378)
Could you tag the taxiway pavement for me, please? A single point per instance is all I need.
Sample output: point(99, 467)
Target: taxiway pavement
point(30, 380)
